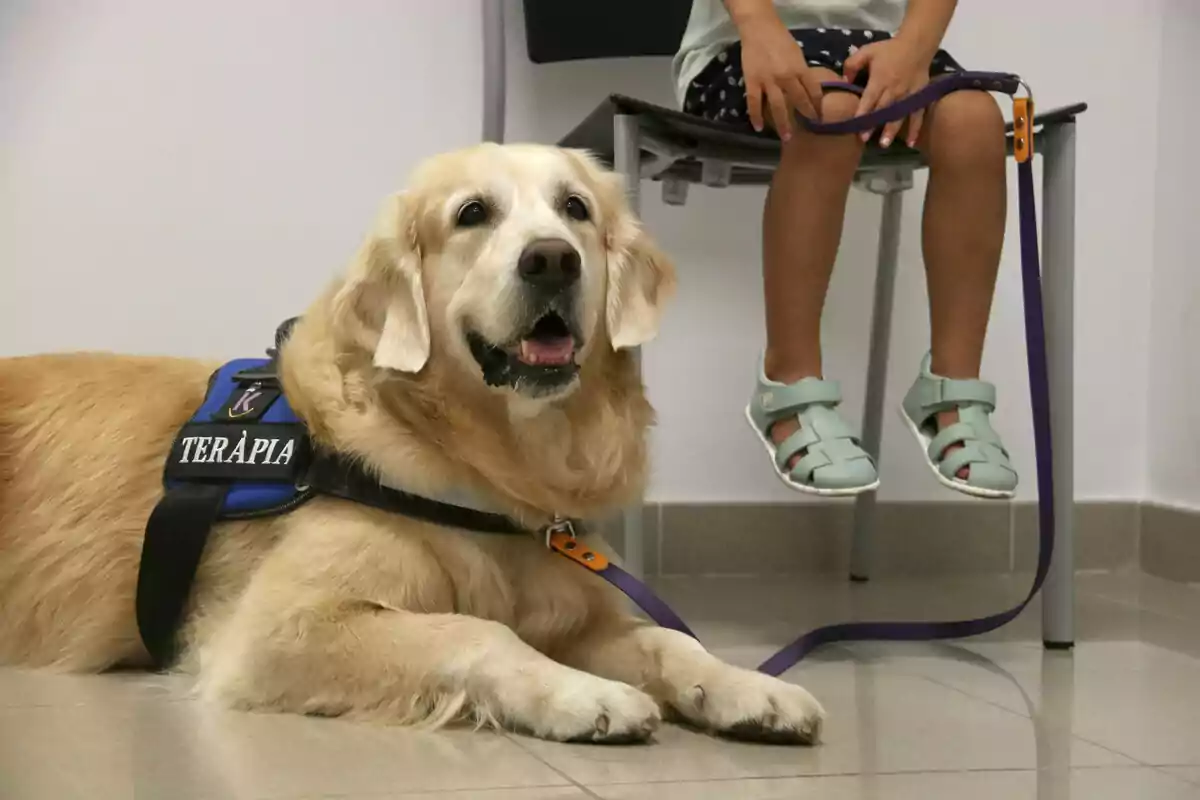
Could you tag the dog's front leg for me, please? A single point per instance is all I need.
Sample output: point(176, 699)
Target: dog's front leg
point(697, 686)
point(365, 660)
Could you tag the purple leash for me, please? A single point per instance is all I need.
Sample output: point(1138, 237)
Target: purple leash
point(1039, 398)
point(1039, 388)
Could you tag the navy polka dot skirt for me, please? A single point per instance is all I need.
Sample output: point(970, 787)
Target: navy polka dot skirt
point(718, 93)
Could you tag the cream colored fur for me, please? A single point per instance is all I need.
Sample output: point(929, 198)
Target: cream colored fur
point(338, 609)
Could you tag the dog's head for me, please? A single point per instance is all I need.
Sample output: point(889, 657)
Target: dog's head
point(513, 262)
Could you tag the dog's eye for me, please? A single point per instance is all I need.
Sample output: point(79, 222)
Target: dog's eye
point(576, 209)
point(472, 213)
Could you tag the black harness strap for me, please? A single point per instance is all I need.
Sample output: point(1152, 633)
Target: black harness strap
point(171, 551)
point(178, 530)
point(338, 477)
point(198, 491)
point(195, 497)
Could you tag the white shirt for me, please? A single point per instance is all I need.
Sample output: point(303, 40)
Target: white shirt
point(710, 29)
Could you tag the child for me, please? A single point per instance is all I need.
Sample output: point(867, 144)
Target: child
point(754, 62)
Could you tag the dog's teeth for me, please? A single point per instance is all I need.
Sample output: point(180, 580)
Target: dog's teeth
point(537, 353)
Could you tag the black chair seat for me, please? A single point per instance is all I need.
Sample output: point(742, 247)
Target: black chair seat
point(702, 140)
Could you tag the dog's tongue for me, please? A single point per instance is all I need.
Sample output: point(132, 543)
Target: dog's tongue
point(550, 352)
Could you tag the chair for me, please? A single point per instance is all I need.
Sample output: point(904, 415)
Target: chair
point(644, 141)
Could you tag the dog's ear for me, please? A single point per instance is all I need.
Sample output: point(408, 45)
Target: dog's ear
point(640, 282)
point(382, 303)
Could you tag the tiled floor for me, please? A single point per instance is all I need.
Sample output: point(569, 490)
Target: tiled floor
point(998, 719)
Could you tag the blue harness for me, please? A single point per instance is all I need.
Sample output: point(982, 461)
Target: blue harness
point(244, 432)
point(244, 454)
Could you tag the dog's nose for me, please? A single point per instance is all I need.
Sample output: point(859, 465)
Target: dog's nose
point(549, 264)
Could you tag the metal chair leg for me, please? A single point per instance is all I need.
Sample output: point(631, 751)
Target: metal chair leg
point(627, 161)
point(892, 187)
point(1058, 287)
point(494, 71)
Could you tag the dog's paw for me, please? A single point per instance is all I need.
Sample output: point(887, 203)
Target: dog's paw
point(751, 706)
point(584, 708)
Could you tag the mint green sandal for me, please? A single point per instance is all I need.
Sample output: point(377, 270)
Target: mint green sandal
point(833, 463)
point(990, 473)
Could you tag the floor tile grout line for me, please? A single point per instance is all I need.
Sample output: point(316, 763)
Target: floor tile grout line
point(85, 704)
point(900, 669)
point(1137, 761)
point(537, 757)
point(1163, 770)
point(590, 791)
point(873, 773)
point(587, 790)
point(432, 794)
point(1137, 607)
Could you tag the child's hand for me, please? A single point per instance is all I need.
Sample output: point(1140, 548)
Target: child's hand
point(774, 65)
point(897, 70)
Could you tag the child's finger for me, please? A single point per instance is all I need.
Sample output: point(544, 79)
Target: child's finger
point(886, 98)
point(799, 98)
point(754, 104)
point(914, 127)
point(812, 87)
point(868, 102)
point(890, 130)
point(780, 115)
point(855, 64)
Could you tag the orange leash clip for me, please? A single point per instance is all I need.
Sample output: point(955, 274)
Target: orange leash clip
point(1022, 128)
point(560, 537)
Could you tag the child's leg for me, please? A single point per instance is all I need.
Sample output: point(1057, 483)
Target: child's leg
point(963, 229)
point(802, 227)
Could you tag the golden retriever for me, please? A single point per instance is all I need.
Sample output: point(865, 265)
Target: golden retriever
point(479, 341)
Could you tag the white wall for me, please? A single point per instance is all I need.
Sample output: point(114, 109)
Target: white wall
point(1173, 464)
point(177, 177)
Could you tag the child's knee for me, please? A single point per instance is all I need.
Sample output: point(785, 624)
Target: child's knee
point(966, 126)
point(838, 106)
point(839, 152)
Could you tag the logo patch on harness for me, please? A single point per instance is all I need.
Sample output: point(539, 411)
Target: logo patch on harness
point(254, 452)
point(247, 404)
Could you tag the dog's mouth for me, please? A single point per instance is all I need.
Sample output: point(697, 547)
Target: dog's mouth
point(548, 343)
point(542, 359)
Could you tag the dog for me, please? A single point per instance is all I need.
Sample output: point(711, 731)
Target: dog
point(480, 341)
